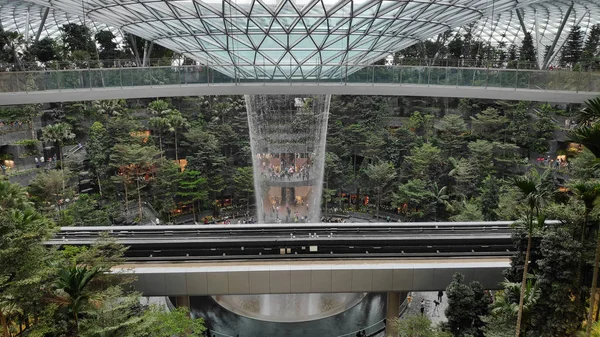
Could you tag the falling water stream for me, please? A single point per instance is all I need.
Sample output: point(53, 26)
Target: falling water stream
point(287, 136)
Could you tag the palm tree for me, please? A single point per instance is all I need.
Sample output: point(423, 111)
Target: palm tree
point(13, 196)
point(536, 189)
point(588, 192)
point(588, 134)
point(8, 308)
point(160, 125)
point(176, 122)
point(590, 113)
point(58, 133)
point(71, 292)
point(506, 303)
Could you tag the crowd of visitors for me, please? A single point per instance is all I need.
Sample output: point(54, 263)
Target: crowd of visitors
point(290, 173)
point(554, 163)
point(12, 126)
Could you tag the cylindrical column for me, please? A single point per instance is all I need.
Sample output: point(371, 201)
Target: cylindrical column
point(392, 306)
point(182, 301)
point(394, 299)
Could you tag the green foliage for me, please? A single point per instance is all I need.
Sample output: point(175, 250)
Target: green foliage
point(158, 323)
point(86, 211)
point(490, 198)
point(416, 326)
point(380, 175)
point(192, 187)
point(451, 131)
point(467, 211)
point(489, 124)
point(424, 161)
point(414, 199)
point(573, 49)
point(527, 51)
point(467, 303)
point(560, 308)
point(77, 38)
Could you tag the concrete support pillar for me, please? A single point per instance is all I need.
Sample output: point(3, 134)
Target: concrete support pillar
point(392, 305)
point(182, 301)
point(394, 299)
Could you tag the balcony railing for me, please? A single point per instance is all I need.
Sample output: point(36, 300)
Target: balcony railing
point(121, 77)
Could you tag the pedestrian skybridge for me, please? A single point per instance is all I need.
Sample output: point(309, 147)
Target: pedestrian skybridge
point(560, 86)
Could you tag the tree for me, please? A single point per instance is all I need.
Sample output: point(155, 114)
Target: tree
point(77, 38)
point(463, 172)
point(414, 198)
point(24, 261)
point(244, 183)
point(573, 48)
point(160, 125)
point(58, 133)
point(45, 50)
point(489, 124)
point(158, 323)
point(71, 290)
point(86, 211)
point(134, 163)
point(560, 308)
point(527, 52)
point(165, 188)
point(113, 313)
point(160, 111)
point(536, 189)
point(176, 123)
point(451, 131)
point(192, 187)
point(97, 151)
point(590, 48)
point(466, 304)
point(506, 304)
point(467, 211)
point(490, 197)
point(11, 44)
point(380, 175)
point(13, 196)
point(481, 161)
point(424, 161)
point(48, 188)
point(416, 326)
point(108, 46)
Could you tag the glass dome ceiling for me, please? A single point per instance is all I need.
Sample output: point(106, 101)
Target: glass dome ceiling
point(290, 38)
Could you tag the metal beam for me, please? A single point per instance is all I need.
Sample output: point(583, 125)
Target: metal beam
point(557, 37)
point(520, 16)
point(27, 25)
point(538, 55)
point(42, 23)
point(563, 42)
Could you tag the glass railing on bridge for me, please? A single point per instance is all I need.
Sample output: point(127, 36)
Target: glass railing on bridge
point(121, 77)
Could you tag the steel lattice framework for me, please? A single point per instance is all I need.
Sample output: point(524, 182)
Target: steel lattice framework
point(288, 38)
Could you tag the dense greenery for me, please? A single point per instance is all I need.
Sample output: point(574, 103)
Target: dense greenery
point(45, 292)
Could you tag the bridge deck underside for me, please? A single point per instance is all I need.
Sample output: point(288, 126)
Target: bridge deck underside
point(309, 276)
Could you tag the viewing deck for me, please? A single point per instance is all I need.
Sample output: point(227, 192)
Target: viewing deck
point(561, 86)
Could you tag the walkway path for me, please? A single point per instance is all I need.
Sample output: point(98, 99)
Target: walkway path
point(402, 80)
point(436, 317)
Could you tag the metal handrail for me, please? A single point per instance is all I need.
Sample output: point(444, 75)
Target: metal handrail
point(375, 327)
